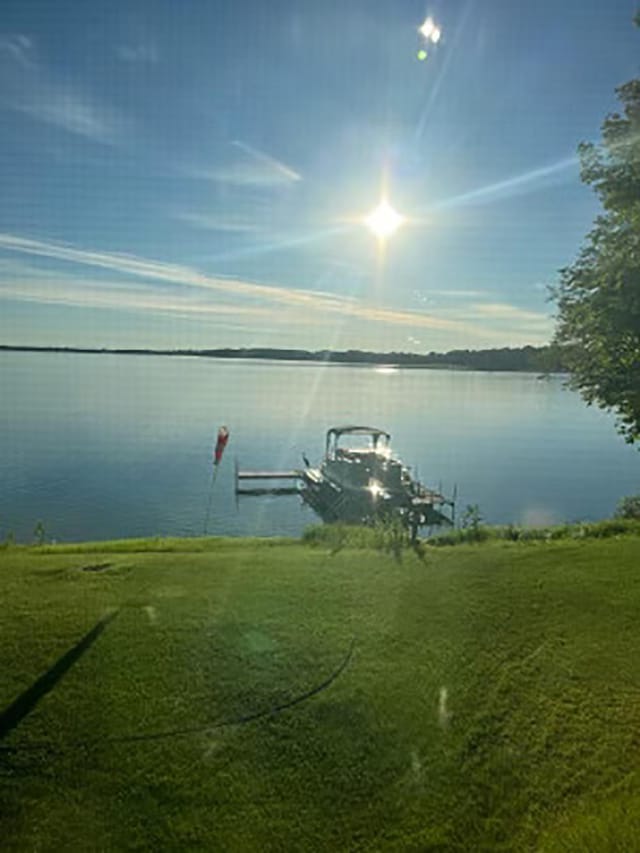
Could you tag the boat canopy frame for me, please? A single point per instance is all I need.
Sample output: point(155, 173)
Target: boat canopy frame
point(335, 434)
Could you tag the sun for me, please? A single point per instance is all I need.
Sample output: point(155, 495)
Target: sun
point(383, 221)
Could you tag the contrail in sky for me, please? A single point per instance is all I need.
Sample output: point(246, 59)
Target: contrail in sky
point(265, 159)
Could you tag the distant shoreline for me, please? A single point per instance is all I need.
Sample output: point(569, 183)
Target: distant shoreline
point(529, 359)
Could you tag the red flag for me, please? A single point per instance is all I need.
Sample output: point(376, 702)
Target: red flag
point(221, 443)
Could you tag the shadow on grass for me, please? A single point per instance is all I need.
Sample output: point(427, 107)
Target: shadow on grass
point(13, 715)
point(25, 703)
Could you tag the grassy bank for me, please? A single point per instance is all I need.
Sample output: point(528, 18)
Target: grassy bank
point(485, 696)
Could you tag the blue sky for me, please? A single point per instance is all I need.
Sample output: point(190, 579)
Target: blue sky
point(195, 174)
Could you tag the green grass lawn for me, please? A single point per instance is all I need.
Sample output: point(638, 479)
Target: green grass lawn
point(491, 701)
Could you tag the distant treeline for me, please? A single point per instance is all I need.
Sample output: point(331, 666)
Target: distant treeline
point(547, 359)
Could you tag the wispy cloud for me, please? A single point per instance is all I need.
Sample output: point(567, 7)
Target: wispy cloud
point(509, 313)
point(71, 112)
point(508, 324)
point(268, 163)
point(499, 315)
point(144, 52)
point(17, 46)
point(212, 222)
point(85, 293)
point(308, 307)
point(29, 87)
point(449, 293)
point(158, 271)
point(251, 168)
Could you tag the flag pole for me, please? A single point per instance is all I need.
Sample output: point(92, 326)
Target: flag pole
point(221, 443)
point(214, 475)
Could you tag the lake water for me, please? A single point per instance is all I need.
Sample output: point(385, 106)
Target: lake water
point(102, 446)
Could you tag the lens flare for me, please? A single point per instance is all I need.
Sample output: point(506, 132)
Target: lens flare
point(431, 31)
point(375, 488)
point(427, 28)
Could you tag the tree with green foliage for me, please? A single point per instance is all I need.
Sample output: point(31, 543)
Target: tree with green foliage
point(598, 296)
point(629, 507)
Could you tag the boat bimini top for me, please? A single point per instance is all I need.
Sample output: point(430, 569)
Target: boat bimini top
point(378, 443)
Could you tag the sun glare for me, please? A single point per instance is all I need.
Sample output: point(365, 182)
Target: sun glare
point(383, 221)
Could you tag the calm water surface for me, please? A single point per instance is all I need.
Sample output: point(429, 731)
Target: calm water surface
point(101, 446)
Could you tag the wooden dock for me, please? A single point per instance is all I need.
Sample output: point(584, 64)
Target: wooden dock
point(256, 491)
point(269, 475)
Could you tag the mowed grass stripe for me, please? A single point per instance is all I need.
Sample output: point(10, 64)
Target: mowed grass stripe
point(493, 698)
